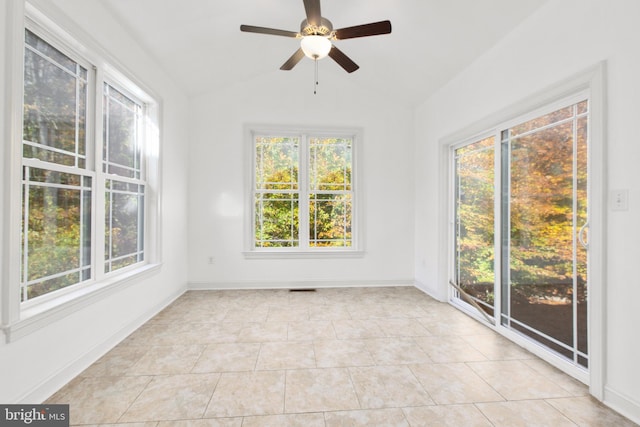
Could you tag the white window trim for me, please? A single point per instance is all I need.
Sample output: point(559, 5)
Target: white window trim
point(357, 248)
point(17, 319)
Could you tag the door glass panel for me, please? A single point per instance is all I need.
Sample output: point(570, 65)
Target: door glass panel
point(474, 221)
point(544, 210)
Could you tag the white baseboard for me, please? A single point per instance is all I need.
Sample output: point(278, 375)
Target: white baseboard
point(625, 405)
point(298, 284)
point(57, 380)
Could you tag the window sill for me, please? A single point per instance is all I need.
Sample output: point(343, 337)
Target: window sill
point(293, 254)
point(37, 316)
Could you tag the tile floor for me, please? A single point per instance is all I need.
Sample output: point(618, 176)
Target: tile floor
point(335, 357)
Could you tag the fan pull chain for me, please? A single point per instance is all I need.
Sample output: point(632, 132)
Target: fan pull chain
point(315, 85)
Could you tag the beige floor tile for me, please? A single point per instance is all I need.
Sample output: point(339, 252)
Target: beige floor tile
point(329, 312)
point(311, 330)
point(342, 353)
point(524, 413)
point(496, 347)
point(205, 315)
point(374, 417)
point(286, 355)
point(316, 390)
point(102, 399)
point(571, 385)
point(405, 309)
point(116, 362)
point(159, 360)
point(307, 298)
point(454, 326)
point(357, 329)
point(588, 412)
point(402, 328)
point(446, 415)
point(449, 383)
point(247, 314)
point(227, 357)
point(514, 380)
point(208, 333)
point(369, 311)
point(449, 349)
point(388, 387)
point(396, 351)
point(263, 332)
point(288, 420)
point(288, 314)
point(156, 334)
point(173, 397)
point(248, 393)
point(209, 422)
point(172, 314)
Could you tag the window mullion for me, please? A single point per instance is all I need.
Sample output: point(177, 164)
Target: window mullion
point(303, 183)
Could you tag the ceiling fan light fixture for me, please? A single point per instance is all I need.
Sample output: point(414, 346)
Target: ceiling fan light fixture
point(315, 47)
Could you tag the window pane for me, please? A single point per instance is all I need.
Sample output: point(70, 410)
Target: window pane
point(276, 163)
point(54, 105)
point(124, 224)
point(474, 216)
point(330, 164)
point(539, 122)
point(276, 220)
point(50, 52)
point(330, 220)
point(545, 279)
point(56, 249)
point(121, 151)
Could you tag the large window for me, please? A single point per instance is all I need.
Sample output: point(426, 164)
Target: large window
point(303, 191)
point(84, 171)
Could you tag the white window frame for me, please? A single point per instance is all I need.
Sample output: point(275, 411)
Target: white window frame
point(19, 319)
point(251, 131)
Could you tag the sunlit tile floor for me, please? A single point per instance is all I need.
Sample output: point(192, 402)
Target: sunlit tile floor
point(334, 357)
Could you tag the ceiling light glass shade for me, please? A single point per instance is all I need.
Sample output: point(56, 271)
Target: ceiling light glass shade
point(315, 47)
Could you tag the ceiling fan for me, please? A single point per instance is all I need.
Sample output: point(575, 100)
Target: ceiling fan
point(317, 33)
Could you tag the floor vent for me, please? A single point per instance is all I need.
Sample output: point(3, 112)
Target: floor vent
point(302, 290)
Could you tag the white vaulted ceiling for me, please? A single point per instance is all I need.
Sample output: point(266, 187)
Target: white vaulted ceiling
point(199, 43)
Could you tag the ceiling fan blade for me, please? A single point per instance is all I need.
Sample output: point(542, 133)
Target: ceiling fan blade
point(271, 31)
point(343, 60)
point(291, 62)
point(373, 29)
point(314, 16)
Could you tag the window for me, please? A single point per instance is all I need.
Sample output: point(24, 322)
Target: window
point(57, 187)
point(84, 171)
point(303, 191)
point(124, 186)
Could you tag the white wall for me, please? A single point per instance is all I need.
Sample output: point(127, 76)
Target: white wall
point(563, 38)
point(34, 366)
point(216, 178)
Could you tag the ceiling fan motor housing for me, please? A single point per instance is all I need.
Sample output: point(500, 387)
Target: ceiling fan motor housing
point(324, 29)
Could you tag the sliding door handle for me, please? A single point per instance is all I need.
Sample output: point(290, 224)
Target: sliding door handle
point(581, 235)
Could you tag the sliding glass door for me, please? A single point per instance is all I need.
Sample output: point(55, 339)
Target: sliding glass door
point(538, 266)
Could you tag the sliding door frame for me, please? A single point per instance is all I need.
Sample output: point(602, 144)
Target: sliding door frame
point(590, 85)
